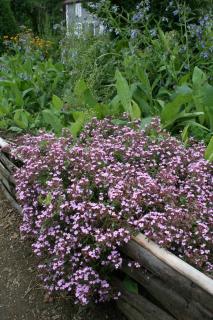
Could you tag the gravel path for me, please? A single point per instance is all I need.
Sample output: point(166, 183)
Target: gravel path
point(21, 294)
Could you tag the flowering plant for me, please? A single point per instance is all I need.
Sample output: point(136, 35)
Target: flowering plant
point(28, 43)
point(82, 201)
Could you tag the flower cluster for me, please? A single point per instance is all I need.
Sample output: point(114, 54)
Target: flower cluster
point(26, 41)
point(82, 201)
point(200, 35)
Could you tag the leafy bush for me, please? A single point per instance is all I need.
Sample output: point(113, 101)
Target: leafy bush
point(170, 10)
point(167, 59)
point(173, 49)
point(156, 65)
point(191, 106)
point(93, 59)
point(82, 202)
point(188, 108)
point(27, 86)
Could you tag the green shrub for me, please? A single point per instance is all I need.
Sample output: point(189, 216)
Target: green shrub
point(155, 7)
point(27, 87)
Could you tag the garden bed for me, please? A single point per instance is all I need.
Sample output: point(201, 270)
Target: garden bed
point(168, 288)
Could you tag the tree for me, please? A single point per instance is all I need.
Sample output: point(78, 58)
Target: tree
point(7, 20)
point(34, 13)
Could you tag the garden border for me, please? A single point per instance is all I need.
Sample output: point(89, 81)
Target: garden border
point(169, 287)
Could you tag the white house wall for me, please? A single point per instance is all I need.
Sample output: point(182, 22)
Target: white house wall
point(78, 17)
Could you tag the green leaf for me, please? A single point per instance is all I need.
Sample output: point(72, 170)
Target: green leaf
point(42, 100)
point(52, 120)
point(57, 103)
point(192, 123)
point(80, 87)
point(21, 118)
point(19, 101)
point(89, 99)
point(48, 199)
point(198, 77)
point(208, 104)
point(135, 111)
point(78, 115)
point(185, 134)
point(184, 79)
point(209, 151)
point(183, 95)
point(4, 107)
point(184, 91)
point(25, 92)
point(75, 128)
point(181, 117)
point(116, 106)
point(3, 124)
point(203, 100)
point(130, 285)
point(15, 129)
point(144, 82)
point(161, 103)
point(143, 100)
point(119, 122)
point(163, 39)
point(84, 94)
point(123, 90)
point(102, 110)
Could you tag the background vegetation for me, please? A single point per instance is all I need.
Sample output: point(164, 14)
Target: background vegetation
point(145, 64)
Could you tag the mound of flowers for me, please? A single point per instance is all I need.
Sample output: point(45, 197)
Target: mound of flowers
point(82, 201)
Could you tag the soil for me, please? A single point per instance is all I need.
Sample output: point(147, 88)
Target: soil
point(21, 294)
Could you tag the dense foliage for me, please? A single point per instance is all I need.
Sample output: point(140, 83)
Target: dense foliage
point(7, 21)
point(82, 202)
point(159, 70)
point(169, 10)
point(37, 13)
point(159, 66)
point(27, 89)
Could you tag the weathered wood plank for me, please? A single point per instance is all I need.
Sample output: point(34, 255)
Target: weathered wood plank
point(8, 185)
point(10, 198)
point(176, 304)
point(177, 282)
point(130, 312)
point(197, 277)
point(146, 308)
point(7, 163)
point(6, 174)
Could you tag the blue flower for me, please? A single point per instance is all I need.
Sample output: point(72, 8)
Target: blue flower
point(153, 32)
point(134, 33)
point(137, 17)
point(204, 54)
point(176, 12)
